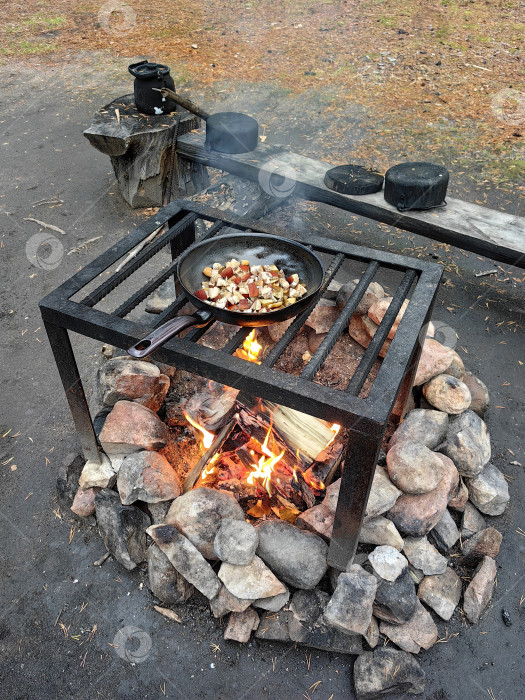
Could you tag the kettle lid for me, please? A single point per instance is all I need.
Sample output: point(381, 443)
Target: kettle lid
point(145, 70)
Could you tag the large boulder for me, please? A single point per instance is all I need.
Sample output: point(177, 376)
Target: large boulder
point(414, 468)
point(441, 592)
point(122, 529)
point(489, 491)
point(147, 476)
point(131, 427)
point(198, 515)
point(416, 515)
point(385, 672)
point(186, 559)
point(124, 379)
point(165, 582)
point(434, 359)
point(422, 425)
point(448, 394)
point(298, 558)
point(350, 607)
point(467, 444)
point(251, 581)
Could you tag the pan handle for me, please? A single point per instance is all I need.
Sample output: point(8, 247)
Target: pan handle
point(162, 334)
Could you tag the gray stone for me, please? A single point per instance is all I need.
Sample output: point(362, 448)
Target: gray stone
point(298, 558)
point(306, 625)
point(158, 512)
point(422, 555)
point(471, 522)
point(419, 632)
point(374, 292)
point(241, 625)
point(387, 562)
point(459, 498)
point(332, 290)
point(435, 358)
point(489, 491)
point(485, 543)
point(422, 425)
point(350, 607)
point(479, 392)
point(479, 590)
point(131, 427)
point(445, 533)
point(274, 603)
point(96, 475)
point(383, 494)
point(372, 634)
point(147, 476)
point(235, 542)
point(385, 672)
point(132, 380)
point(380, 531)
point(441, 593)
point(253, 580)
point(185, 558)
point(414, 468)
point(165, 582)
point(122, 529)
point(323, 316)
point(416, 574)
point(308, 606)
point(447, 393)
point(416, 515)
point(198, 515)
point(225, 602)
point(319, 520)
point(274, 626)
point(467, 444)
point(396, 601)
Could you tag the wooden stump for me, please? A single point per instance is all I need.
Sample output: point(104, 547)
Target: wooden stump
point(139, 147)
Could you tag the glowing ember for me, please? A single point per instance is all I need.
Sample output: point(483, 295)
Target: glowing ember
point(207, 438)
point(265, 467)
point(250, 349)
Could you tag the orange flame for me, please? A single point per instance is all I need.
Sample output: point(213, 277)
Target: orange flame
point(265, 467)
point(207, 438)
point(335, 428)
point(250, 349)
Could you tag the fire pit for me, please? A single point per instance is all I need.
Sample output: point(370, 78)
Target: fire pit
point(363, 415)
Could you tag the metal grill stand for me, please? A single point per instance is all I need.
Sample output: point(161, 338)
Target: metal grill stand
point(364, 418)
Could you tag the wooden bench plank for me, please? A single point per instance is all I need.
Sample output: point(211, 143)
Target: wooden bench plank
point(494, 234)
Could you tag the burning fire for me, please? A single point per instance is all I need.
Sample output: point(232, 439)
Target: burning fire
point(335, 428)
point(265, 467)
point(207, 438)
point(250, 349)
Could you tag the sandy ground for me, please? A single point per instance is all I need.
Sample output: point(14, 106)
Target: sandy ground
point(48, 578)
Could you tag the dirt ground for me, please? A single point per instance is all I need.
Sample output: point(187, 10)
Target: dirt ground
point(60, 616)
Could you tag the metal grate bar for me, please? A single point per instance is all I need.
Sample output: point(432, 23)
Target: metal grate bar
point(341, 323)
point(147, 289)
point(296, 325)
point(148, 252)
point(237, 340)
point(356, 383)
point(197, 333)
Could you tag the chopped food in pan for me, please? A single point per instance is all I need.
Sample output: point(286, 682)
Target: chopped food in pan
point(240, 286)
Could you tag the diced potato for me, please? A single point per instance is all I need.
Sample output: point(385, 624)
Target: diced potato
point(213, 293)
point(221, 303)
point(207, 271)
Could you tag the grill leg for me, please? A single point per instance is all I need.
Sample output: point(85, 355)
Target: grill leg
point(358, 473)
point(177, 245)
point(68, 370)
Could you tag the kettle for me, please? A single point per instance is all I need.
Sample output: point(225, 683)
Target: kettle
point(147, 76)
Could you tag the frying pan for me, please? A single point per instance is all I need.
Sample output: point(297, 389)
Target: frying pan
point(259, 249)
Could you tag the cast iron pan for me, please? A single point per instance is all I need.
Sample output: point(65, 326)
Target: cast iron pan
point(259, 249)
